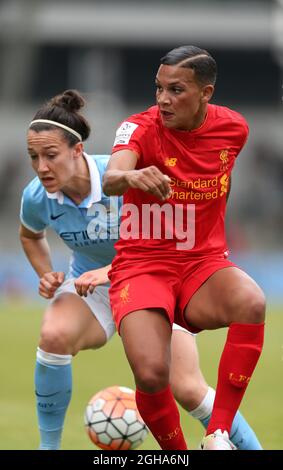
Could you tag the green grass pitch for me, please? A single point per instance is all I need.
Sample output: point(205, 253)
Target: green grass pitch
point(94, 370)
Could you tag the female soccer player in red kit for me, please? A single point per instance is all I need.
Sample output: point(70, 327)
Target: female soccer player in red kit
point(175, 161)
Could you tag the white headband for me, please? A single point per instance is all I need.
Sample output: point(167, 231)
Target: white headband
point(58, 124)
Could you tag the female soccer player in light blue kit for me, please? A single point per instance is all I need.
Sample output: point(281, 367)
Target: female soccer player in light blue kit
point(66, 195)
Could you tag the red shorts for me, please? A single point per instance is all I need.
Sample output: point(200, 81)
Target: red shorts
point(148, 283)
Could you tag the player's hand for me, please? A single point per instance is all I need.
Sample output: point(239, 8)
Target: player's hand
point(87, 282)
point(49, 283)
point(150, 180)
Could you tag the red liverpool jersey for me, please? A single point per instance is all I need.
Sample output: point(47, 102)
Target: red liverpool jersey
point(199, 163)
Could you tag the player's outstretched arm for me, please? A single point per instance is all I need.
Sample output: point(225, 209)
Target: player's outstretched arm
point(121, 175)
point(115, 179)
point(37, 251)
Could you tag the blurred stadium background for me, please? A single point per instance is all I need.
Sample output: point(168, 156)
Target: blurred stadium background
point(110, 51)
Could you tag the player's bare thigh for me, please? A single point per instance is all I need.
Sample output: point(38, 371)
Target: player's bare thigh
point(146, 335)
point(69, 326)
point(229, 295)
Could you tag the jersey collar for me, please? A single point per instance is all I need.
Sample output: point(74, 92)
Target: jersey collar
point(95, 184)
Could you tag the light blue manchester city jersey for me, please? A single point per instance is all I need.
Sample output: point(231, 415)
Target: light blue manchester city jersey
point(89, 229)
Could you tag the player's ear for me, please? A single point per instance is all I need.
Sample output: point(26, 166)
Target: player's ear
point(78, 149)
point(207, 92)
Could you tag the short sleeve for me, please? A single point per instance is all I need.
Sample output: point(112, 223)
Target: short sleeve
point(130, 134)
point(243, 132)
point(33, 208)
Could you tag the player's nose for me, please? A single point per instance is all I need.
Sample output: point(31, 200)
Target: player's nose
point(163, 98)
point(42, 166)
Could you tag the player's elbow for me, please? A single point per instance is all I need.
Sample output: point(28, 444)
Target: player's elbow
point(23, 237)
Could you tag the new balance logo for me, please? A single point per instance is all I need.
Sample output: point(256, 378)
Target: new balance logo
point(170, 161)
point(54, 217)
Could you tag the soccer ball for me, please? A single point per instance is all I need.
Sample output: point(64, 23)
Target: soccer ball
point(112, 419)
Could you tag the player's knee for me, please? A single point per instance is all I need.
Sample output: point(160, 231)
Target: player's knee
point(258, 309)
point(55, 340)
point(248, 306)
point(151, 377)
point(255, 307)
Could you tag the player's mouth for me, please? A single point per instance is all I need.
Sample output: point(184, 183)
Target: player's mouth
point(166, 115)
point(47, 181)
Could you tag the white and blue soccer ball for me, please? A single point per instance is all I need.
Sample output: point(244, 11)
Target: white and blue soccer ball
point(112, 419)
